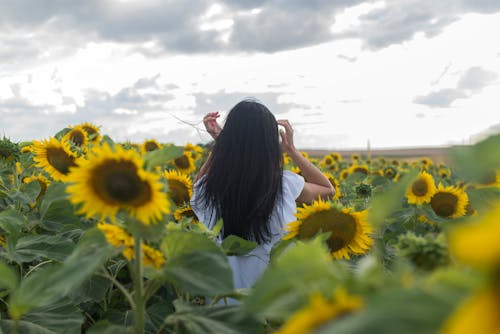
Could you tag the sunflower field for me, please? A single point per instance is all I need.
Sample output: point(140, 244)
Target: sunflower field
point(98, 237)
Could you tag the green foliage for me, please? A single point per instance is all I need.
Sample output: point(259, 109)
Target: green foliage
point(425, 252)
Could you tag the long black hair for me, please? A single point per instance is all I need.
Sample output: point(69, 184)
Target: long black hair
point(244, 172)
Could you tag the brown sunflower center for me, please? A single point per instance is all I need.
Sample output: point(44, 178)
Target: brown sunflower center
point(77, 137)
point(178, 192)
point(117, 182)
point(328, 161)
point(182, 162)
point(90, 131)
point(151, 146)
point(444, 204)
point(341, 225)
point(60, 159)
point(419, 187)
point(361, 170)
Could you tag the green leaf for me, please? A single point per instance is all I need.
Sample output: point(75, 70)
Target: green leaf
point(105, 327)
point(385, 203)
point(162, 156)
point(12, 222)
point(62, 317)
point(51, 283)
point(216, 320)
point(8, 277)
point(397, 311)
point(42, 246)
point(177, 243)
point(200, 273)
point(475, 162)
point(56, 211)
point(234, 245)
point(282, 287)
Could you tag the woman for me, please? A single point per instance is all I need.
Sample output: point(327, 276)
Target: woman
point(243, 183)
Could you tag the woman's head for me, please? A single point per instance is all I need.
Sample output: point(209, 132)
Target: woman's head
point(244, 174)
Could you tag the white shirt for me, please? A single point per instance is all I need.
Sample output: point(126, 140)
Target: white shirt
point(248, 268)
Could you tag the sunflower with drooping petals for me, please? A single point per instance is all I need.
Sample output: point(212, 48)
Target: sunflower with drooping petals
point(78, 136)
point(180, 186)
point(152, 257)
point(93, 132)
point(150, 145)
point(335, 183)
point(185, 163)
point(320, 311)
point(422, 189)
point(444, 173)
point(350, 231)
point(55, 157)
point(449, 202)
point(114, 179)
point(118, 237)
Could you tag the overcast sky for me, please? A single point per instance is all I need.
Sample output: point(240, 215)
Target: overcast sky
point(397, 73)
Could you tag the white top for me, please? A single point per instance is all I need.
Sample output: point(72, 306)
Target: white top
point(248, 268)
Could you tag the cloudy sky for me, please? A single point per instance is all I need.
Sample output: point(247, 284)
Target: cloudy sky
point(397, 73)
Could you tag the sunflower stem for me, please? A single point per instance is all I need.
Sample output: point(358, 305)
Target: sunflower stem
point(138, 287)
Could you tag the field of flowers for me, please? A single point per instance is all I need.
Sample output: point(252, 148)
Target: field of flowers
point(98, 237)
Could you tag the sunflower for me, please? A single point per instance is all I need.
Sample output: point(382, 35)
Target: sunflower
point(395, 162)
point(444, 173)
point(336, 156)
point(92, 132)
point(185, 163)
point(55, 157)
point(335, 183)
point(363, 169)
point(78, 136)
point(186, 212)
point(3, 241)
point(150, 145)
point(355, 157)
point(304, 154)
point(349, 230)
point(113, 180)
point(42, 181)
point(478, 314)
point(422, 189)
point(118, 237)
point(286, 159)
point(152, 257)
point(477, 244)
point(180, 186)
point(425, 162)
point(449, 202)
point(344, 173)
point(319, 311)
point(296, 170)
point(390, 172)
point(196, 151)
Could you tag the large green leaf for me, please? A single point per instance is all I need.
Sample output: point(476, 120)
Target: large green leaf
point(385, 203)
point(216, 320)
point(287, 282)
point(200, 273)
point(50, 283)
point(396, 311)
point(476, 162)
point(56, 212)
point(162, 156)
point(181, 242)
point(234, 245)
point(42, 247)
point(62, 317)
point(8, 277)
point(12, 222)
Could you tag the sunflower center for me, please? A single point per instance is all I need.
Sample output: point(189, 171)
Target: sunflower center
point(151, 146)
point(178, 192)
point(182, 162)
point(341, 225)
point(78, 138)
point(90, 131)
point(419, 187)
point(60, 160)
point(361, 170)
point(328, 161)
point(444, 204)
point(117, 182)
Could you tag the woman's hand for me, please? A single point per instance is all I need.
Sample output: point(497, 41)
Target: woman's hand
point(286, 136)
point(210, 122)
